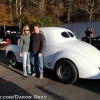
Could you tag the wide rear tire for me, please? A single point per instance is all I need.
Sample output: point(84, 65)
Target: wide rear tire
point(66, 71)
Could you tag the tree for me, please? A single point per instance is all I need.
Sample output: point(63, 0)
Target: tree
point(91, 7)
point(45, 21)
point(27, 19)
point(10, 10)
point(3, 14)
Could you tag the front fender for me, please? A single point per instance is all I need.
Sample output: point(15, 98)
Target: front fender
point(86, 68)
point(15, 50)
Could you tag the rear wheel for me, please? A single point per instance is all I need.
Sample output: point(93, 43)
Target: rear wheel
point(66, 71)
point(12, 60)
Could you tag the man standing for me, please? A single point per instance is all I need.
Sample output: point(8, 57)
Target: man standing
point(89, 32)
point(37, 46)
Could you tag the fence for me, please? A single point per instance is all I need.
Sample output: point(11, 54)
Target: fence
point(81, 27)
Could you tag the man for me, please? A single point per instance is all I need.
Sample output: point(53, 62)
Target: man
point(89, 32)
point(37, 46)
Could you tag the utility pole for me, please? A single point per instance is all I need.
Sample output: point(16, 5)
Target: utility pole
point(69, 11)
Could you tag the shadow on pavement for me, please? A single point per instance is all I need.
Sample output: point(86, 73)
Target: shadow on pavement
point(11, 89)
point(51, 94)
point(3, 58)
point(5, 63)
point(88, 84)
point(48, 73)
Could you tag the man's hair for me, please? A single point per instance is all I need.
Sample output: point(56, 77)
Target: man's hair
point(36, 24)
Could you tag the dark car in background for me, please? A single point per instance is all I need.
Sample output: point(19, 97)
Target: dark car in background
point(11, 33)
point(95, 41)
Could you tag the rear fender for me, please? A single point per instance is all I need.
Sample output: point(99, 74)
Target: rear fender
point(86, 68)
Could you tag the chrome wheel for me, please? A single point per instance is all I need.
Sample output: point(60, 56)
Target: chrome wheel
point(65, 72)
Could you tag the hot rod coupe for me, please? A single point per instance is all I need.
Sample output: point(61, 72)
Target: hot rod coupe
point(69, 57)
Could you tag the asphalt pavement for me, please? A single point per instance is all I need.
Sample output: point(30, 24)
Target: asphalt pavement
point(13, 86)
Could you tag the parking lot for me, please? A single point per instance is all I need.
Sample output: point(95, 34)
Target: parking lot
point(14, 86)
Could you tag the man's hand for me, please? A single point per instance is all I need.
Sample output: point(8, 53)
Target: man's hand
point(40, 54)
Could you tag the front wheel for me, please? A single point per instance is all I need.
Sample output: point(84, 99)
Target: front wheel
point(12, 60)
point(66, 71)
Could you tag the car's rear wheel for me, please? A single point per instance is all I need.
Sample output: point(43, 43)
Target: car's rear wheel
point(12, 60)
point(66, 71)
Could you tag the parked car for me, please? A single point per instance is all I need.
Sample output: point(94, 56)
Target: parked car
point(95, 41)
point(11, 33)
point(69, 57)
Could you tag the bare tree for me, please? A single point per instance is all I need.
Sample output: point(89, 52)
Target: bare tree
point(10, 6)
point(20, 7)
point(41, 7)
point(69, 10)
point(20, 10)
point(16, 8)
point(90, 7)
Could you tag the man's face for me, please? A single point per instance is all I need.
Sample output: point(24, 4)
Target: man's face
point(36, 29)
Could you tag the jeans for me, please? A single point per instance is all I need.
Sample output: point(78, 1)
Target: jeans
point(26, 63)
point(37, 63)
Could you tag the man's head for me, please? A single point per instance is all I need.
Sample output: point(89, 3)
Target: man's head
point(36, 28)
point(88, 29)
point(91, 29)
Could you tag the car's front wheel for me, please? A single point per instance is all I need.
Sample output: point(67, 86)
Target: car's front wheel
point(66, 71)
point(12, 60)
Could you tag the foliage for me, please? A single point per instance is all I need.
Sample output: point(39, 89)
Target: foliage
point(48, 12)
point(26, 19)
point(45, 21)
point(3, 15)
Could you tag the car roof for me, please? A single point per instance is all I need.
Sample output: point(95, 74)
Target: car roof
point(53, 34)
point(54, 28)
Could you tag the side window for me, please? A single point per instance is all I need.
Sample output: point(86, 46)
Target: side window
point(65, 34)
point(70, 34)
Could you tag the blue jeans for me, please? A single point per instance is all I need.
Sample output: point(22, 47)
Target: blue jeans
point(37, 63)
point(26, 63)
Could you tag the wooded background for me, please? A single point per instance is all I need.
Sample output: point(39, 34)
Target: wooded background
point(48, 12)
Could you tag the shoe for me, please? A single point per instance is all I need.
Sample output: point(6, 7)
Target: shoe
point(41, 76)
point(33, 74)
point(29, 73)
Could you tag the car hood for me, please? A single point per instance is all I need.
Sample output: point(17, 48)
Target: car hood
point(84, 49)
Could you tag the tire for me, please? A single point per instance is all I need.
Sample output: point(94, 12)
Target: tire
point(12, 60)
point(66, 71)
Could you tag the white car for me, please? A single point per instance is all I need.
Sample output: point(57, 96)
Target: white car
point(69, 57)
